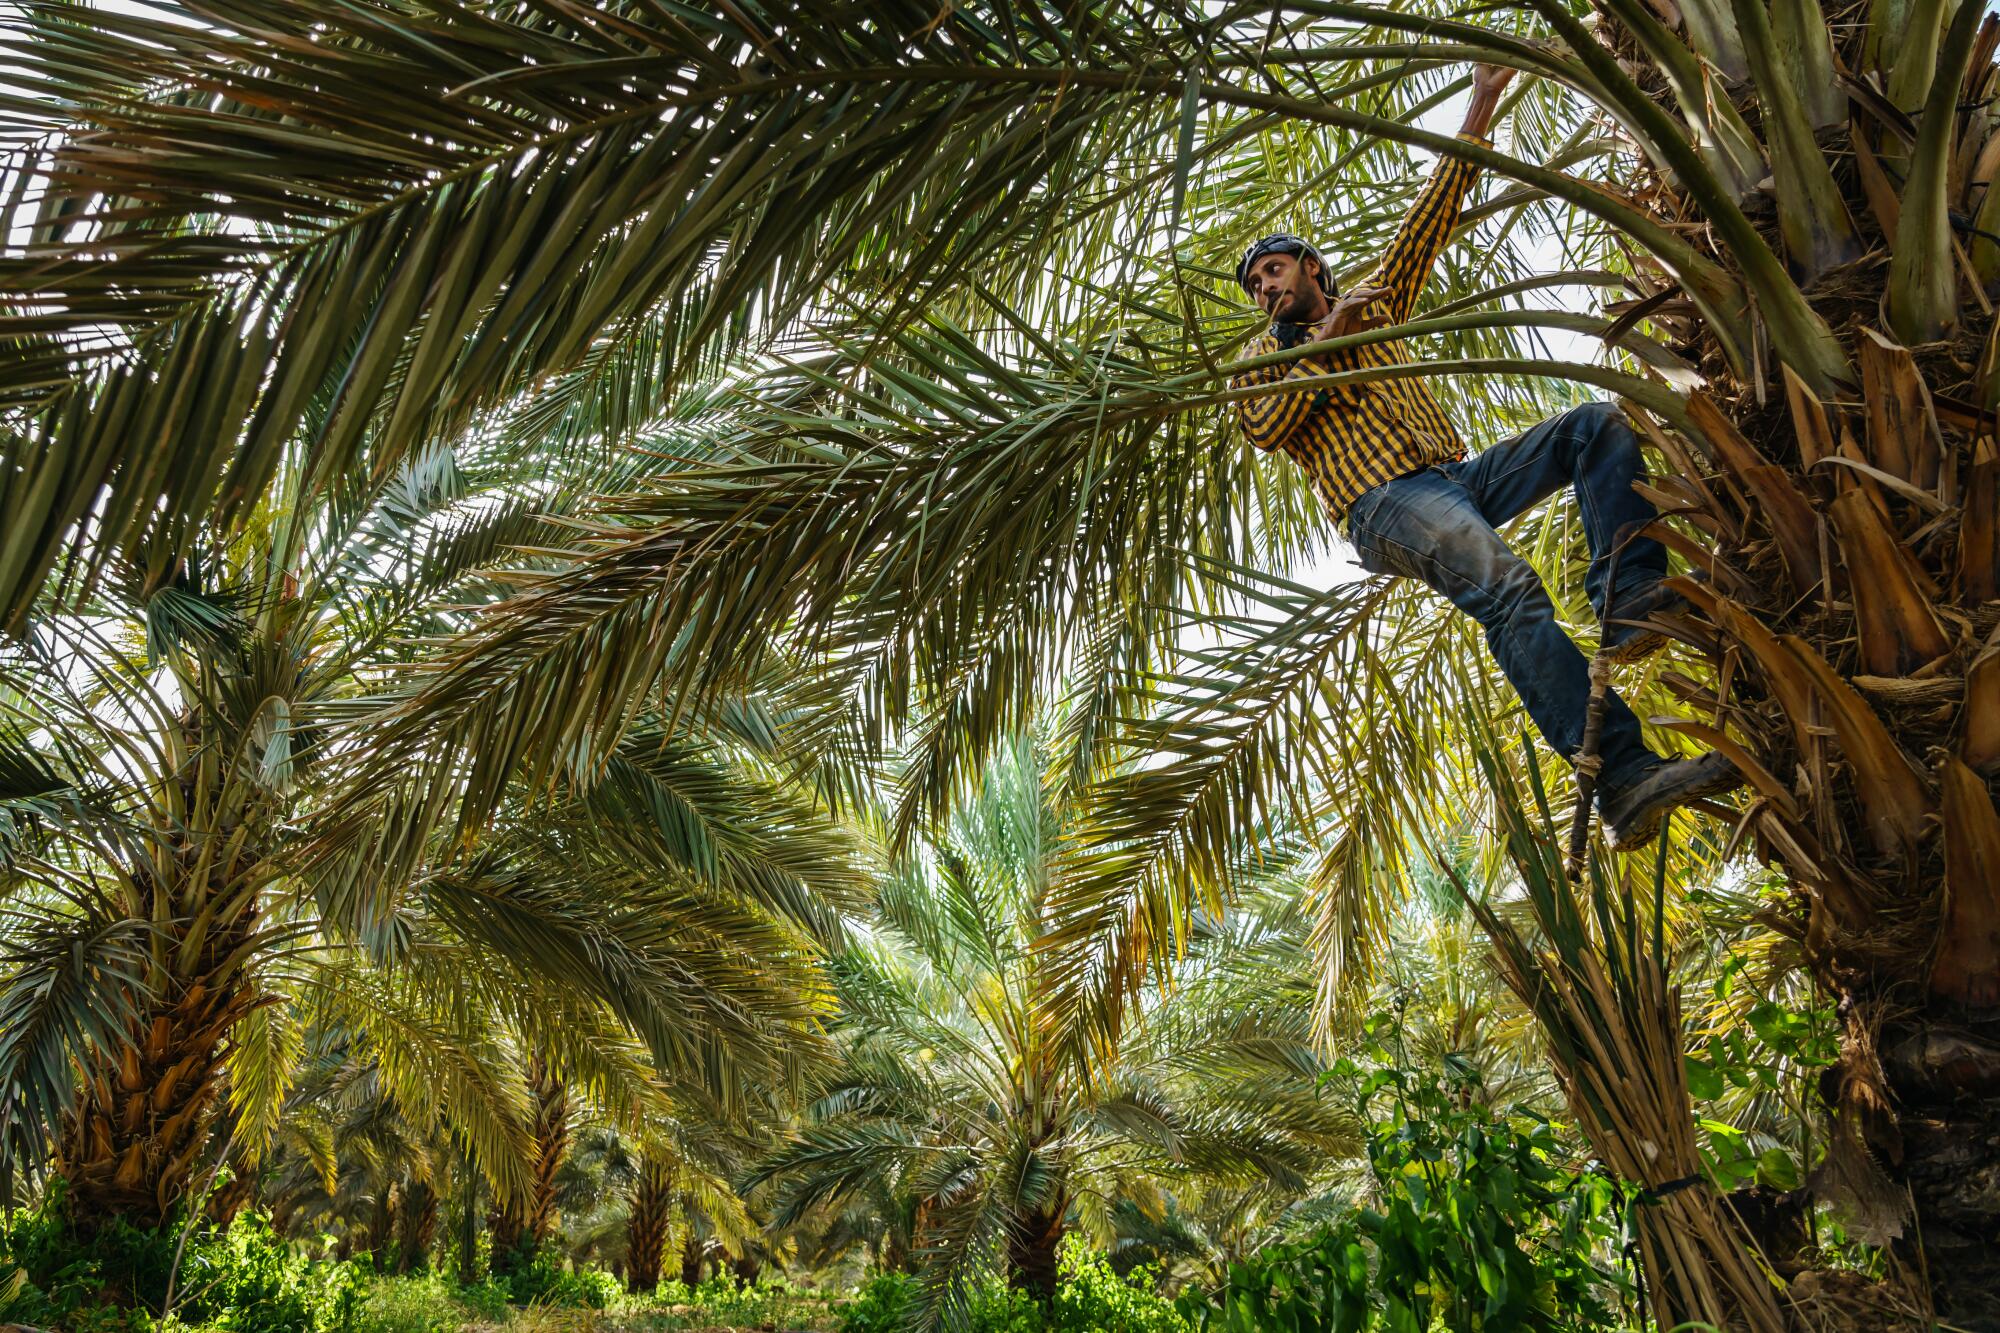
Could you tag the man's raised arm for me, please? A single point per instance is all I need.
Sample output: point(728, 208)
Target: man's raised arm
point(1406, 265)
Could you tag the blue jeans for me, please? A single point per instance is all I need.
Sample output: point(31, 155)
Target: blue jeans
point(1438, 525)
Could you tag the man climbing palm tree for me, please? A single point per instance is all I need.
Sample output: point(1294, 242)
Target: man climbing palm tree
point(1392, 470)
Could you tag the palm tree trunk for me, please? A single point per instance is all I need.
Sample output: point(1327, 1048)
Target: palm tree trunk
point(144, 1114)
point(1945, 1079)
point(416, 1227)
point(646, 1231)
point(509, 1250)
point(521, 1226)
point(1847, 595)
point(382, 1224)
point(1032, 1239)
point(468, 1223)
point(552, 1138)
point(691, 1256)
point(229, 1198)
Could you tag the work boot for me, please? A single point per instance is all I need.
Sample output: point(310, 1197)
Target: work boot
point(1626, 640)
point(1633, 813)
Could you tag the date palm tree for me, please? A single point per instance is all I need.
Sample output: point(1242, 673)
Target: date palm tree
point(952, 1096)
point(929, 312)
point(168, 954)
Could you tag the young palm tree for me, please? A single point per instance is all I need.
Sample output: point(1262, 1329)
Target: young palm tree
point(952, 1096)
point(522, 1224)
point(646, 1231)
point(958, 513)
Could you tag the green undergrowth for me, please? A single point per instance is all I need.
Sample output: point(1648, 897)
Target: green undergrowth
point(1089, 1297)
point(1479, 1218)
point(593, 1303)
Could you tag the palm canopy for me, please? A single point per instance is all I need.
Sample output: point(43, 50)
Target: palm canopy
point(950, 1094)
point(923, 319)
point(953, 449)
point(658, 238)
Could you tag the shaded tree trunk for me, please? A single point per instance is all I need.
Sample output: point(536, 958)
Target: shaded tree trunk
point(691, 1257)
point(1853, 616)
point(382, 1224)
point(416, 1227)
point(1945, 1079)
point(468, 1224)
point(230, 1197)
point(552, 1139)
point(646, 1231)
point(1033, 1236)
point(509, 1250)
point(521, 1226)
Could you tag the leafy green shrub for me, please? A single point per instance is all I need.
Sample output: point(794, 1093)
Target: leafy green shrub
point(880, 1305)
point(547, 1280)
point(1092, 1296)
point(69, 1274)
point(720, 1300)
point(1478, 1225)
point(248, 1281)
point(488, 1299)
point(1783, 1048)
point(996, 1308)
point(888, 1302)
point(243, 1279)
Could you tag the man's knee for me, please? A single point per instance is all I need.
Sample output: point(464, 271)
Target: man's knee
point(1518, 587)
point(1598, 416)
point(1603, 428)
point(1509, 590)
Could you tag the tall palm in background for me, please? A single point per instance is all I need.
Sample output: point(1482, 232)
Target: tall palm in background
point(951, 1095)
point(927, 314)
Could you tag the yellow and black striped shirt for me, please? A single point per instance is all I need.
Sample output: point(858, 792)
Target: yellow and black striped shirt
point(1351, 438)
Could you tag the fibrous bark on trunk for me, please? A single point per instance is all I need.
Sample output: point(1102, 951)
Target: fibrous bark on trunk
point(646, 1230)
point(144, 1113)
point(1844, 571)
point(416, 1226)
point(521, 1226)
point(552, 1138)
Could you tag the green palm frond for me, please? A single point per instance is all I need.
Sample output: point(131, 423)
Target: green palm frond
point(695, 976)
point(1055, 493)
point(948, 1095)
point(673, 804)
point(265, 1054)
point(72, 984)
point(577, 185)
point(436, 1070)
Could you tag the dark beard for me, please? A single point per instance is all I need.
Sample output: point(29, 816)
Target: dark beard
point(1289, 334)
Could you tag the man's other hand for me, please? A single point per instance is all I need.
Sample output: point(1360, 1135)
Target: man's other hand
point(1490, 80)
point(1487, 83)
point(1352, 313)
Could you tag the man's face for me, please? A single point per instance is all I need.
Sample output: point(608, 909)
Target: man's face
point(1285, 287)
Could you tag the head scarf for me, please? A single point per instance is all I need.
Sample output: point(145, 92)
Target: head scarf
point(1283, 244)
